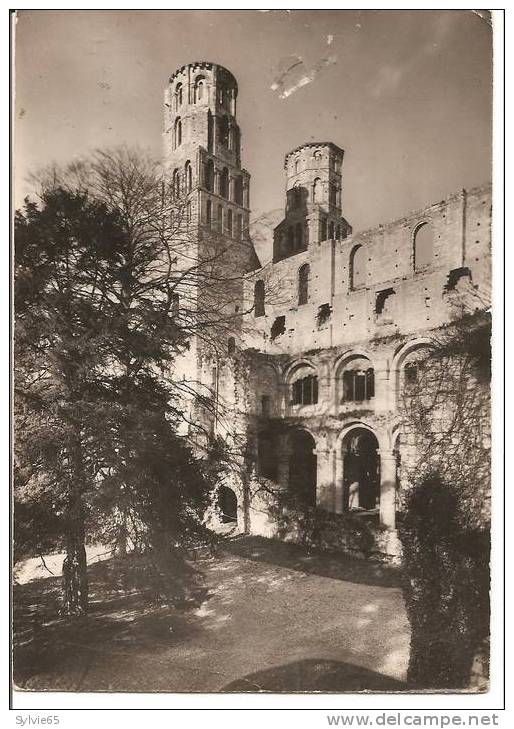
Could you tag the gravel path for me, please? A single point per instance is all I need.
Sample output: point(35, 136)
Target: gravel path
point(275, 618)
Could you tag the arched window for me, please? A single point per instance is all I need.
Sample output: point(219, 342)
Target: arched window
point(298, 236)
point(223, 131)
point(239, 227)
point(220, 218)
point(178, 96)
point(303, 284)
point(296, 166)
point(317, 155)
point(209, 175)
point(331, 230)
point(258, 298)
point(177, 138)
point(229, 223)
point(357, 268)
point(358, 381)
point(189, 176)
point(304, 390)
point(323, 229)
point(208, 213)
point(423, 246)
point(238, 190)
point(316, 191)
point(176, 183)
point(231, 346)
point(199, 88)
point(224, 183)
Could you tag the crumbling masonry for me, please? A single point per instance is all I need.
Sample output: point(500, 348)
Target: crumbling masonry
point(326, 337)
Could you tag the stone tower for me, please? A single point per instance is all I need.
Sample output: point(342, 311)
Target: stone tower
point(202, 157)
point(202, 148)
point(313, 199)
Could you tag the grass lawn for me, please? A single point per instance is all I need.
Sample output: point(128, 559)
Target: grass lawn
point(273, 617)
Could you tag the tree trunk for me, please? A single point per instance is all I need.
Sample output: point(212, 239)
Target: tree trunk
point(74, 575)
point(74, 568)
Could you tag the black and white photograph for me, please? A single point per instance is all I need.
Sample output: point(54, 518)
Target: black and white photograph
point(252, 317)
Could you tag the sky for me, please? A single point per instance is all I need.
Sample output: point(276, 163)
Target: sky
point(406, 94)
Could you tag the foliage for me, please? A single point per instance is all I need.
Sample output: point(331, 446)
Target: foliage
point(317, 528)
point(446, 413)
point(446, 585)
point(444, 531)
point(103, 301)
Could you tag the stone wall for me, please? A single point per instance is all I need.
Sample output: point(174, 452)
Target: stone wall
point(461, 239)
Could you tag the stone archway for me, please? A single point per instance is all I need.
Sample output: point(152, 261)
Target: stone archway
point(227, 502)
point(361, 470)
point(302, 467)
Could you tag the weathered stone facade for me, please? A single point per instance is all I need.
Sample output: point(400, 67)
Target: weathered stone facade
point(328, 333)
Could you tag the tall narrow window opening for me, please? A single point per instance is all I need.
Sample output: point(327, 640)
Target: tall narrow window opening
point(303, 284)
point(357, 268)
point(258, 298)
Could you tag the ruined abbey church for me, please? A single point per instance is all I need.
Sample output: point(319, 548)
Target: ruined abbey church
point(327, 336)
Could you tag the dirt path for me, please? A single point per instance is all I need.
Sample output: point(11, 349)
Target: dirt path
point(275, 618)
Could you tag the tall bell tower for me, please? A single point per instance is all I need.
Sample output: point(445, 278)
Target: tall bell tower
point(202, 148)
point(202, 158)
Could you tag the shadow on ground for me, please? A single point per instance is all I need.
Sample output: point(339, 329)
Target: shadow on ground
point(117, 620)
point(337, 623)
point(337, 566)
point(315, 675)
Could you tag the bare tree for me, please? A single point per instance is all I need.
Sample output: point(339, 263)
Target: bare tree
point(138, 293)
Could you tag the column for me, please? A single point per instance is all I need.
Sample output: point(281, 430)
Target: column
point(324, 478)
point(382, 383)
point(338, 481)
point(387, 489)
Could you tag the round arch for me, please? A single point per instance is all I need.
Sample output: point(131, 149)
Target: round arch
point(400, 357)
point(302, 467)
point(360, 452)
point(379, 435)
point(227, 503)
point(422, 241)
point(347, 356)
point(353, 374)
point(289, 370)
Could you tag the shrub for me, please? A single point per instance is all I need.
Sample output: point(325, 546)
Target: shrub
point(317, 528)
point(445, 584)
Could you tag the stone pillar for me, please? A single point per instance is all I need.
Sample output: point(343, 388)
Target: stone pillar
point(382, 385)
point(338, 481)
point(324, 478)
point(387, 489)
